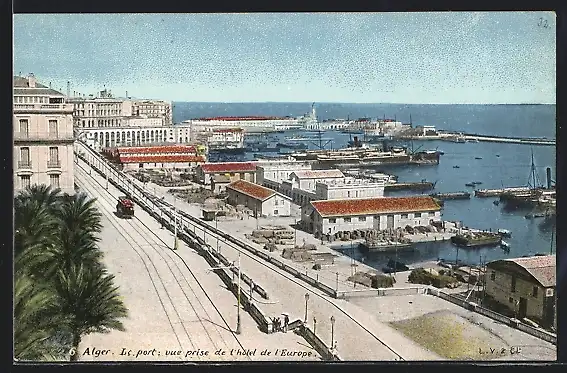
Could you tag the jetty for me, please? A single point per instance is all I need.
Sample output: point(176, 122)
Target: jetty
point(472, 137)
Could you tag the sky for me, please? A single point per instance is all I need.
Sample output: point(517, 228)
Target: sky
point(412, 58)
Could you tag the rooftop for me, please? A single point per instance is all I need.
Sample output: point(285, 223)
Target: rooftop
point(228, 119)
point(21, 87)
point(161, 159)
point(316, 174)
point(250, 189)
point(228, 167)
point(369, 206)
point(156, 149)
point(542, 268)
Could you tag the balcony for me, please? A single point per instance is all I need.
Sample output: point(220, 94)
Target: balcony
point(43, 136)
point(25, 165)
point(54, 163)
point(44, 108)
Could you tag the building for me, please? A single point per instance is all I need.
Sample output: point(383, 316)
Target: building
point(234, 170)
point(219, 183)
point(105, 110)
point(225, 139)
point(260, 200)
point(279, 170)
point(172, 157)
point(99, 138)
point(43, 136)
point(332, 216)
point(349, 187)
point(525, 286)
point(306, 179)
point(429, 131)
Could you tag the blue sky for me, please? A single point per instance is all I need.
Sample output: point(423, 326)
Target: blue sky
point(468, 57)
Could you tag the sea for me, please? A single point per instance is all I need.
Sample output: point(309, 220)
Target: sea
point(501, 165)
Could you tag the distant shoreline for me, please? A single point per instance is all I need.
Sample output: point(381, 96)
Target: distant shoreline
point(347, 103)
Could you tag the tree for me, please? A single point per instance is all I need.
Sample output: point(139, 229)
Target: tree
point(89, 301)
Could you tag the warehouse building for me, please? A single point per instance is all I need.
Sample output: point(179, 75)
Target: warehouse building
point(261, 201)
point(234, 170)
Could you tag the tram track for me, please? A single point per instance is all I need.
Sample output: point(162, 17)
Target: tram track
point(240, 247)
point(155, 242)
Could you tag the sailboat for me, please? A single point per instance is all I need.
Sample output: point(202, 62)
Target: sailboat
point(525, 198)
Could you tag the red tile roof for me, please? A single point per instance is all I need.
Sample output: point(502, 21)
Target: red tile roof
point(228, 167)
point(316, 174)
point(157, 149)
point(542, 268)
point(161, 159)
point(253, 190)
point(368, 206)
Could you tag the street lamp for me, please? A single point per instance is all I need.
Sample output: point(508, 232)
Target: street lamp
point(238, 309)
point(314, 325)
point(332, 331)
point(306, 300)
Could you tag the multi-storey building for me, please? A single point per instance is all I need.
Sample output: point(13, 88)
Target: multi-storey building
point(106, 110)
point(43, 136)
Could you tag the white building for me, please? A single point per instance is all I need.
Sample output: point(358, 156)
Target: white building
point(306, 179)
point(225, 138)
point(349, 187)
point(332, 216)
point(279, 170)
point(234, 170)
point(104, 111)
point(43, 136)
point(258, 199)
point(99, 138)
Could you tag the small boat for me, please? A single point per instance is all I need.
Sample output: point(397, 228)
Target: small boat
point(504, 245)
point(477, 157)
point(497, 202)
point(504, 232)
point(533, 216)
point(470, 184)
point(456, 166)
point(498, 155)
point(476, 182)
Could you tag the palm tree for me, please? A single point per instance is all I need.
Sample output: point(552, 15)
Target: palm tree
point(89, 301)
point(36, 320)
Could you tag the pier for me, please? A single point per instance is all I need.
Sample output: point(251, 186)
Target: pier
point(471, 137)
point(453, 195)
point(498, 192)
point(422, 185)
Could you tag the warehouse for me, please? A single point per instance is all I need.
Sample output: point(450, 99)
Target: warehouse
point(263, 202)
point(169, 156)
point(332, 216)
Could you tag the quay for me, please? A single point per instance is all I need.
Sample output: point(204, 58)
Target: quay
point(421, 185)
point(453, 195)
point(467, 137)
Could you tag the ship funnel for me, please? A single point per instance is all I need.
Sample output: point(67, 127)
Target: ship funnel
point(548, 175)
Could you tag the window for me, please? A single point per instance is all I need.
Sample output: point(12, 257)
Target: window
point(510, 300)
point(275, 212)
point(347, 220)
point(275, 202)
point(25, 155)
point(418, 214)
point(25, 181)
point(493, 275)
point(404, 216)
point(53, 154)
point(362, 218)
point(348, 193)
point(54, 180)
point(332, 220)
point(24, 126)
point(534, 292)
point(53, 127)
point(513, 290)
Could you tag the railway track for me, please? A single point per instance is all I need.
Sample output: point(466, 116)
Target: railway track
point(241, 247)
point(161, 265)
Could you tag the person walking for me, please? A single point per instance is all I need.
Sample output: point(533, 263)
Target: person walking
point(286, 322)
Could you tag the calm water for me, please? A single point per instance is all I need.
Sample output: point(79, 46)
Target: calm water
point(512, 168)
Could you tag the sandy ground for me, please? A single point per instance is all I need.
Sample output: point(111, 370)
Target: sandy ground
point(168, 311)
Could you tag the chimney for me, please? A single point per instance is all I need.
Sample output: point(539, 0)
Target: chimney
point(548, 174)
point(68, 88)
point(49, 85)
point(31, 80)
point(126, 94)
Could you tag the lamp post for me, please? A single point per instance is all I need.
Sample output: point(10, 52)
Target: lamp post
point(306, 301)
point(332, 331)
point(238, 309)
point(314, 325)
